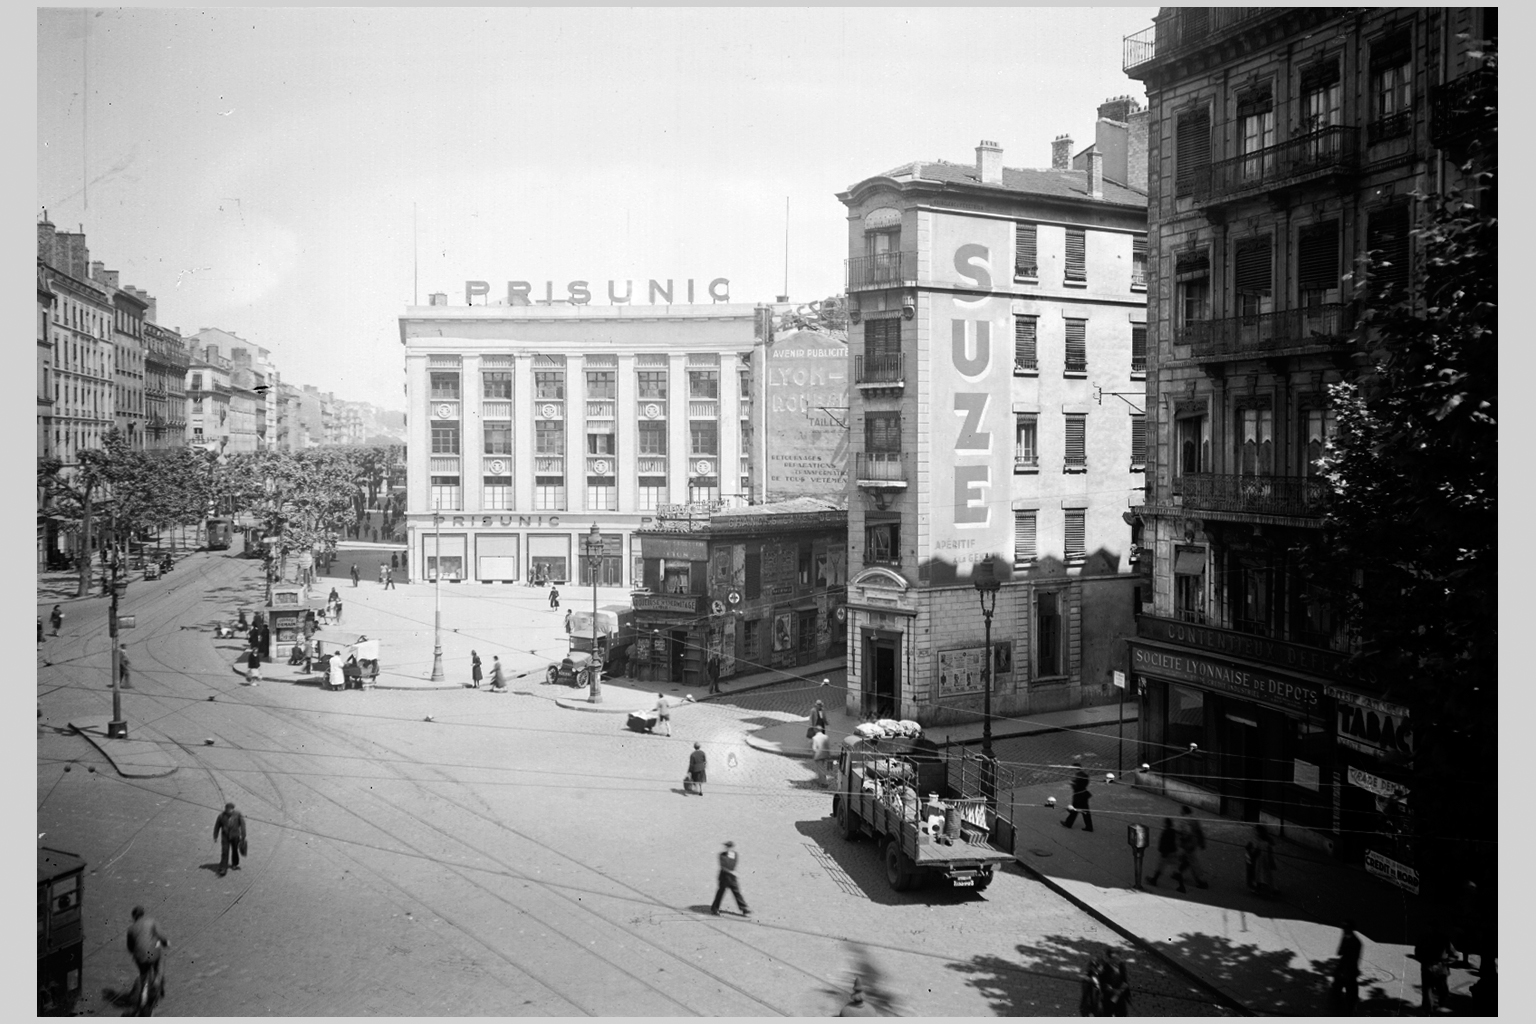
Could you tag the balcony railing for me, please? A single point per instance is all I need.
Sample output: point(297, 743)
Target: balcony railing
point(1261, 495)
point(1464, 109)
point(1182, 30)
point(885, 270)
point(1330, 150)
point(877, 369)
point(881, 469)
point(1239, 337)
point(1393, 126)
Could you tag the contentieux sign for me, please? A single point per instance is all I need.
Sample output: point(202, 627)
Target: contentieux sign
point(579, 293)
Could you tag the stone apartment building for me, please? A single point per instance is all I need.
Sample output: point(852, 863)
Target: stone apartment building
point(996, 328)
point(1283, 144)
point(84, 357)
point(165, 384)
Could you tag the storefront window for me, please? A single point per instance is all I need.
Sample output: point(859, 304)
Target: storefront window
point(674, 576)
point(1186, 718)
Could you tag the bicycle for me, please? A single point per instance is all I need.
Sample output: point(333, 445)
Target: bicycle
point(150, 987)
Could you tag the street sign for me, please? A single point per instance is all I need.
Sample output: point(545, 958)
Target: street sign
point(1120, 679)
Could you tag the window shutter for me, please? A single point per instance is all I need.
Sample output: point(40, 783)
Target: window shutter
point(1077, 428)
point(1258, 101)
point(1023, 538)
point(754, 574)
point(1192, 140)
point(1076, 533)
point(1025, 261)
point(882, 338)
point(1387, 238)
point(1253, 266)
point(651, 574)
point(1138, 440)
point(1138, 346)
point(1077, 346)
point(1077, 257)
point(1319, 76)
point(1024, 355)
point(1317, 256)
point(1139, 247)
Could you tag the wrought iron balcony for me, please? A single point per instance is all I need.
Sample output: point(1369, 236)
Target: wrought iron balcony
point(881, 470)
point(1182, 30)
point(1465, 109)
point(1255, 495)
point(885, 270)
point(1393, 126)
point(1267, 334)
point(1327, 152)
point(878, 369)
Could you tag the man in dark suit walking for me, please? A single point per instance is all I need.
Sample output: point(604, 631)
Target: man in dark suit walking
point(1080, 797)
point(728, 864)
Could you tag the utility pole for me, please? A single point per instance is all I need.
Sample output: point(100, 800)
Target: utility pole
point(118, 727)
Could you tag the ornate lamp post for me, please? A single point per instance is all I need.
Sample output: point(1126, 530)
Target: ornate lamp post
point(594, 552)
point(437, 594)
point(117, 728)
point(987, 585)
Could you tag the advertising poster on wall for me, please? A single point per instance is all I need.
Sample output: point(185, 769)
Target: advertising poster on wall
point(806, 416)
point(782, 639)
point(971, 425)
point(960, 669)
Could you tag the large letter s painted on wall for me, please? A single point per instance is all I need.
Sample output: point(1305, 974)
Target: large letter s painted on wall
point(971, 253)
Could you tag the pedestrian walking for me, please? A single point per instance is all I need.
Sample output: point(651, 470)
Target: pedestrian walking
point(389, 579)
point(336, 611)
point(1434, 953)
point(663, 713)
point(336, 671)
point(1345, 990)
point(229, 829)
point(818, 720)
point(729, 861)
point(1167, 854)
point(554, 598)
point(856, 1006)
point(394, 560)
point(1191, 842)
point(382, 569)
point(713, 671)
point(474, 669)
point(568, 620)
point(697, 763)
point(124, 678)
point(266, 641)
point(355, 574)
point(145, 940)
point(56, 619)
point(1115, 982)
point(1080, 797)
point(375, 534)
point(498, 685)
point(253, 667)
point(821, 755)
point(1090, 1000)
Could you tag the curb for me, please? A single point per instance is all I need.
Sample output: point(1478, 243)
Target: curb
point(790, 677)
point(1042, 731)
point(1221, 997)
point(113, 761)
point(752, 741)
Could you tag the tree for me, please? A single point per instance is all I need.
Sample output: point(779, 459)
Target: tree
point(1414, 519)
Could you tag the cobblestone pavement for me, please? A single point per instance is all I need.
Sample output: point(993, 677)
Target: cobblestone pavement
point(504, 857)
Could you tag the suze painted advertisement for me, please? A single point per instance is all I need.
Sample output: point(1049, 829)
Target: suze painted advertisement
point(971, 428)
point(806, 394)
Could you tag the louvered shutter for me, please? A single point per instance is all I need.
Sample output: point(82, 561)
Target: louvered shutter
point(1025, 260)
point(1190, 265)
point(1077, 255)
point(1138, 439)
point(1253, 266)
point(1023, 538)
point(1138, 346)
point(1317, 256)
point(1076, 533)
point(1077, 449)
point(1077, 346)
point(1192, 139)
point(1387, 238)
point(1024, 354)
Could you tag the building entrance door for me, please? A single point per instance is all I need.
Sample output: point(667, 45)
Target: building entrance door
point(676, 651)
point(1242, 765)
point(882, 674)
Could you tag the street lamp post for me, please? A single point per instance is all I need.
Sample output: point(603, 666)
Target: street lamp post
point(987, 586)
point(437, 594)
point(118, 727)
point(594, 672)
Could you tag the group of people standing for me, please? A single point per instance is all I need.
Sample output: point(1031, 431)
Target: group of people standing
point(477, 673)
point(1106, 986)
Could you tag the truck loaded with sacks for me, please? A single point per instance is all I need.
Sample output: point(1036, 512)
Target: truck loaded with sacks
point(894, 787)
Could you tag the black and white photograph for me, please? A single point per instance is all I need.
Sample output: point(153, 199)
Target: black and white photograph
point(920, 428)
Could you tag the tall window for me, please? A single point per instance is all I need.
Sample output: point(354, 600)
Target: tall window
point(1025, 549)
point(1252, 276)
point(704, 488)
point(446, 493)
point(1077, 442)
point(549, 493)
point(1189, 583)
point(1386, 236)
point(703, 383)
point(498, 439)
point(1138, 348)
point(549, 384)
point(602, 384)
point(653, 437)
point(1025, 350)
point(601, 442)
point(497, 495)
point(1192, 145)
point(1391, 87)
point(1317, 264)
point(703, 437)
point(1075, 533)
point(1256, 442)
point(1077, 255)
point(496, 384)
point(882, 543)
point(1138, 442)
point(549, 437)
point(444, 385)
point(1048, 634)
point(1139, 263)
point(1077, 346)
point(1192, 270)
point(1321, 98)
point(653, 492)
point(602, 494)
point(1026, 441)
point(652, 384)
point(882, 338)
point(882, 432)
point(445, 437)
point(1194, 435)
point(1256, 131)
point(1026, 261)
point(1317, 428)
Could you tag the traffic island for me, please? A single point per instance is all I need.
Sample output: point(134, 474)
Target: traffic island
point(131, 758)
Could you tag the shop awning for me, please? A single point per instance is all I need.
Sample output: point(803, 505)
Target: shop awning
point(1189, 563)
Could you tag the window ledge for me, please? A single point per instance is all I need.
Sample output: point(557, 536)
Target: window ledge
point(1051, 679)
point(1069, 283)
point(1138, 287)
point(1138, 467)
point(1026, 279)
point(1075, 374)
point(1075, 469)
point(1138, 375)
point(1020, 371)
point(1023, 468)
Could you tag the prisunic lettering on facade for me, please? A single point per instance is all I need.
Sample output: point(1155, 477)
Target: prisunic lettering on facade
point(579, 293)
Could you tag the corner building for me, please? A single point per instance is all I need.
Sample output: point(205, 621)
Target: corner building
point(996, 317)
point(1284, 144)
point(526, 425)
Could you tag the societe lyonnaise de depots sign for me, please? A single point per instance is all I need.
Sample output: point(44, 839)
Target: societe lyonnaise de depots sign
point(1260, 687)
point(579, 293)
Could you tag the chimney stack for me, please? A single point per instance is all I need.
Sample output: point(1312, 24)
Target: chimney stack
point(989, 163)
point(437, 299)
point(45, 239)
point(1136, 151)
point(98, 271)
point(1095, 174)
point(1061, 153)
point(1118, 108)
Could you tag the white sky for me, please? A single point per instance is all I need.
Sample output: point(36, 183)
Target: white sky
point(255, 169)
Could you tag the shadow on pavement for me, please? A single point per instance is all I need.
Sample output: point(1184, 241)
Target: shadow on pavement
point(859, 866)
